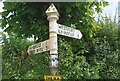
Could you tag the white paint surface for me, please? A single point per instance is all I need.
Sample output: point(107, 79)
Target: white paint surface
point(39, 47)
point(68, 31)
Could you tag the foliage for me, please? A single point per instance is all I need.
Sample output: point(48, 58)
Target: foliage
point(106, 49)
point(74, 66)
point(0, 61)
point(27, 19)
point(16, 62)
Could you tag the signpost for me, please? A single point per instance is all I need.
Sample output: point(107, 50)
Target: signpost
point(68, 31)
point(51, 44)
point(53, 16)
point(39, 47)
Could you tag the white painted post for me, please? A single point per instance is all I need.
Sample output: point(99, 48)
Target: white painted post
point(53, 15)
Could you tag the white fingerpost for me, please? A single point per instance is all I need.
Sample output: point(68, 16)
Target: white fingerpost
point(52, 17)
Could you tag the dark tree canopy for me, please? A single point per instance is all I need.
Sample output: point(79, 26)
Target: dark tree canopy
point(27, 19)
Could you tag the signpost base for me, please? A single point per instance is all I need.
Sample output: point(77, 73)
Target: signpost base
point(54, 71)
point(52, 78)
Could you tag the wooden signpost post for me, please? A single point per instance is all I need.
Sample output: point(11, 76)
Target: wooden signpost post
point(51, 44)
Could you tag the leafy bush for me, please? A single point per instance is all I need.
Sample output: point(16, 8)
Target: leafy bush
point(106, 49)
point(17, 64)
point(74, 66)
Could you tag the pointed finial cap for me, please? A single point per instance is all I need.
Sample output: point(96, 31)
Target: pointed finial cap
point(52, 9)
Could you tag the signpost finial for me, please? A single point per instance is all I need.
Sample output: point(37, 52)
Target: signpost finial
point(52, 9)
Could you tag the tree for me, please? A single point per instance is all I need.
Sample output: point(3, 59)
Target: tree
point(27, 19)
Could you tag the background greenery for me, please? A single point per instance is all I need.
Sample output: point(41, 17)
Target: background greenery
point(95, 56)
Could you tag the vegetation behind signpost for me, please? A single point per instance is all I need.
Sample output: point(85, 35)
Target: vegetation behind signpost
point(78, 59)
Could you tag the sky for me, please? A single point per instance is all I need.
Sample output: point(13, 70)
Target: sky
point(109, 10)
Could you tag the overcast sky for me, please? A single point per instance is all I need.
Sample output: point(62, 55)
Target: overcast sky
point(111, 9)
